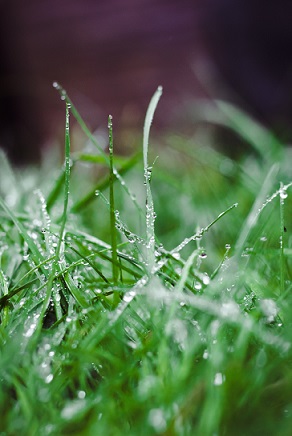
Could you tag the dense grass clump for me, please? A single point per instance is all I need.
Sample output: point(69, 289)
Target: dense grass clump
point(148, 299)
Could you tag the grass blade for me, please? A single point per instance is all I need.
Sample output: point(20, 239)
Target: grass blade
point(150, 215)
point(112, 211)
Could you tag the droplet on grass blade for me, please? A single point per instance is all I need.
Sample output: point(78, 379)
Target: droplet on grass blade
point(198, 286)
point(56, 85)
point(128, 297)
point(30, 331)
point(219, 379)
point(206, 279)
point(49, 378)
point(269, 309)
point(157, 420)
point(72, 409)
point(283, 194)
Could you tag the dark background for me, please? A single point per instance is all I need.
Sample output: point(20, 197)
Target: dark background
point(110, 55)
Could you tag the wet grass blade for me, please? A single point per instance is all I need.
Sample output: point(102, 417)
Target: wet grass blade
point(150, 214)
point(283, 195)
point(113, 229)
point(66, 182)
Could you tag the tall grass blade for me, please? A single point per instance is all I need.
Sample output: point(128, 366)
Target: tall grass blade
point(283, 195)
point(60, 245)
point(112, 210)
point(150, 215)
point(67, 181)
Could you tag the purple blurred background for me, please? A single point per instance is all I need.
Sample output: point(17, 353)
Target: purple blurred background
point(110, 55)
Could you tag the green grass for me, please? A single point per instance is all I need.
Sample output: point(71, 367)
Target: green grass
point(149, 296)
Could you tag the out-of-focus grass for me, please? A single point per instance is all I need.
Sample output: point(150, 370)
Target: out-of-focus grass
point(153, 299)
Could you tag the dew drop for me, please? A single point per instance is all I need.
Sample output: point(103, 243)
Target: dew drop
point(129, 296)
point(219, 379)
point(49, 378)
point(156, 420)
point(205, 355)
point(81, 394)
point(206, 279)
point(110, 121)
point(30, 331)
point(269, 308)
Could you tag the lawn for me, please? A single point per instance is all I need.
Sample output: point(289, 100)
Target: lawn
point(149, 294)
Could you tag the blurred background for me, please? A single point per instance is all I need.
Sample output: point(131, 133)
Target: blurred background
point(110, 56)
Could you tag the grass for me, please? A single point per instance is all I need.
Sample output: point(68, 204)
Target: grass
point(149, 299)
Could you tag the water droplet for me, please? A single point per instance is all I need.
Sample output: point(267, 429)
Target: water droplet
point(283, 194)
point(30, 331)
point(49, 378)
point(81, 394)
point(110, 121)
point(156, 420)
point(129, 296)
point(206, 279)
point(269, 308)
point(72, 408)
point(58, 298)
point(219, 379)
point(131, 238)
point(198, 286)
point(205, 355)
